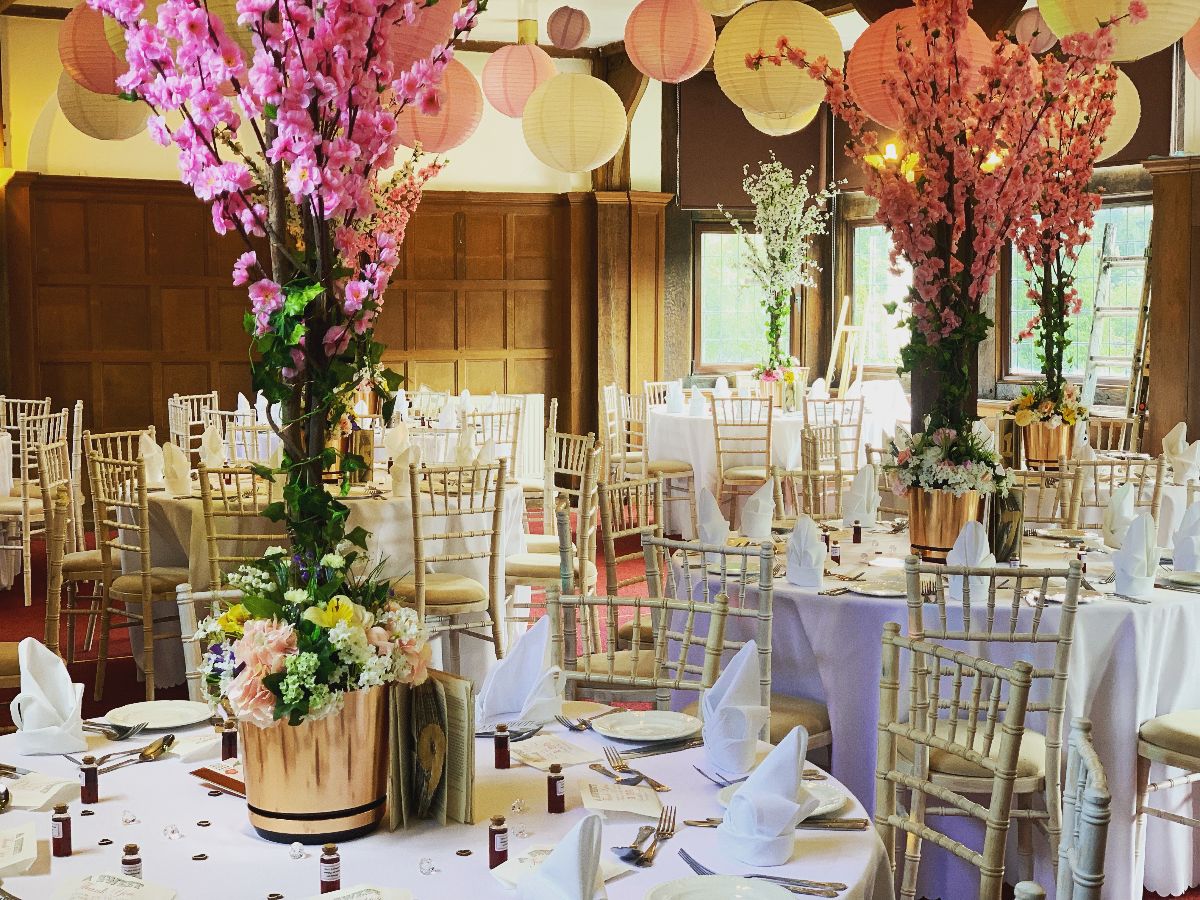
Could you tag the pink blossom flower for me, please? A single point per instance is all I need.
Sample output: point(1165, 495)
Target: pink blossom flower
point(1138, 11)
point(264, 646)
point(252, 701)
point(245, 262)
point(355, 293)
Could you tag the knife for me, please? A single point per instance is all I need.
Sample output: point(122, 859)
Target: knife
point(663, 747)
point(9, 769)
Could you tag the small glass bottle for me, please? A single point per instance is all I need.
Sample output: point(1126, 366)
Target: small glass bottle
point(1082, 557)
point(60, 831)
point(331, 869)
point(556, 790)
point(857, 538)
point(503, 757)
point(497, 842)
point(229, 741)
point(131, 861)
point(89, 780)
point(825, 538)
point(835, 553)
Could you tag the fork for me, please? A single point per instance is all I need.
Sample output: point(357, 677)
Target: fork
point(722, 782)
point(618, 764)
point(114, 732)
point(568, 724)
point(665, 830)
point(794, 885)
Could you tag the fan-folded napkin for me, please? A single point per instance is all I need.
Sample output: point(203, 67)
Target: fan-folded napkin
point(819, 390)
point(713, 527)
point(805, 554)
point(1117, 515)
point(721, 388)
point(48, 710)
point(395, 440)
point(1187, 541)
point(675, 403)
point(1137, 559)
point(177, 471)
point(400, 411)
point(572, 870)
point(1183, 457)
point(523, 686)
point(758, 513)
point(696, 405)
point(448, 417)
point(861, 502)
point(243, 403)
point(487, 453)
point(760, 823)
point(971, 548)
point(409, 455)
point(733, 713)
point(212, 448)
point(464, 450)
point(152, 458)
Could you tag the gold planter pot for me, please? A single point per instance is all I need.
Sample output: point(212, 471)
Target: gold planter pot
point(319, 781)
point(936, 517)
point(1045, 444)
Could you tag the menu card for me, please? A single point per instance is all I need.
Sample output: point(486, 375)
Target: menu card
point(544, 750)
point(225, 775)
point(612, 797)
point(521, 866)
point(18, 849)
point(110, 885)
point(38, 791)
point(366, 892)
point(197, 747)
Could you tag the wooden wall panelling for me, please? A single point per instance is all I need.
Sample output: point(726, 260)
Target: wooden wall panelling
point(612, 288)
point(647, 259)
point(577, 404)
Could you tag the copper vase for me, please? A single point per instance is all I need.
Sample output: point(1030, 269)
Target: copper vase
point(323, 780)
point(1045, 444)
point(936, 517)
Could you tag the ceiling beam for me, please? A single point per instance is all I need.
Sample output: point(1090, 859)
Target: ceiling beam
point(591, 53)
point(27, 11)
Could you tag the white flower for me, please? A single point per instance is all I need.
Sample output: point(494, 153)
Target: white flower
point(350, 641)
point(296, 596)
point(333, 561)
point(274, 551)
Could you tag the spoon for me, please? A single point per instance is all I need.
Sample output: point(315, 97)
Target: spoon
point(149, 753)
point(624, 780)
point(634, 850)
point(163, 743)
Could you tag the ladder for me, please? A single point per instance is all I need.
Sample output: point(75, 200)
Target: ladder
point(846, 356)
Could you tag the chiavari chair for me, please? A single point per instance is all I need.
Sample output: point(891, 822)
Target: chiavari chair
point(655, 392)
point(636, 462)
point(890, 503)
point(122, 445)
point(628, 509)
point(1096, 479)
point(236, 529)
point(566, 463)
point(1119, 433)
point(1046, 495)
point(427, 404)
point(742, 436)
point(533, 487)
point(815, 493)
point(186, 421)
point(500, 426)
point(1087, 809)
point(847, 414)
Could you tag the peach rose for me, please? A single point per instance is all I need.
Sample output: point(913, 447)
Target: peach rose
point(380, 640)
point(263, 646)
point(252, 701)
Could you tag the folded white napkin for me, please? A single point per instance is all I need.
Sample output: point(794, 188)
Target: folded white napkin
point(805, 554)
point(696, 405)
point(523, 686)
point(861, 501)
point(971, 548)
point(177, 471)
point(572, 870)
point(819, 390)
point(1183, 457)
point(760, 824)
point(395, 439)
point(464, 449)
point(448, 417)
point(1117, 515)
point(152, 457)
point(48, 710)
point(733, 713)
point(6, 465)
point(465, 396)
point(243, 403)
point(487, 453)
point(400, 410)
point(410, 455)
point(721, 389)
point(212, 448)
point(1187, 541)
point(260, 409)
point(1086, 453)
point(713, 527)
point(675, 404)
point(1136, 561)
point(758, 513)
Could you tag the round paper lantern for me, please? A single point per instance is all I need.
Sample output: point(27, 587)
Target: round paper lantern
point(574, 122)
point(434, 27)
point(1191, 48)
point(874, 60)
point(225, 10)
point(568, 27)
point(722, 7)
point(778, 126)
point(1128, 116)
point(462, 107)
point(669, 40)
point(1030, 28)
point(1169, 20)
point(512, 73)
point(106, 117)
point(774, 90)
point(992, 15)
point(85, 53)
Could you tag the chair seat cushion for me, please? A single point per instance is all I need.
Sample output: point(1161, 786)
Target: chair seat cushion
point(646, 635)
point(788, 712)
point(163, 580)
point(82, 561)
point(542, 543)
point(442, 589)
point(626, 456)
point(1178, 732)
point(745, 473)
point(1031, 763)
point(11, 506)
point(9, 665)
point(531, 485)
point(540, 565)
point(622, 664)
point(668, 467)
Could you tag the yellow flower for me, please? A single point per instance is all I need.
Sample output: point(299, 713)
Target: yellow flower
point(789, 375)
point(339, 609)
point(1024, 417)
point(232, 619)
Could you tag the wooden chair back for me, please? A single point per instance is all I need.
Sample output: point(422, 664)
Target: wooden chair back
point(821, 448)
point(427, 404)
point(185, 419)
point(54, 478)
point(44, 428)
point(1087, 809)
point(236, 529)
point(612, 432)
point(500, 426)
point(845, 412)
point(627, 509)
point(122, 445)
point(57, 533)
point(1121, 433)
point(811, 492)
point(1047, 495)
point(1096, 479)
point(890, 503)
point(569, 458)
point(122, 513)
point(655, 392)
point(742, 431)
point(12, 410)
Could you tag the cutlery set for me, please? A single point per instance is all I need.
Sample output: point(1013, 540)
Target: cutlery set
point(802, 886)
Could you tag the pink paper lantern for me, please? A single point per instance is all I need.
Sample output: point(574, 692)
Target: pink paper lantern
point(1030, 28)
point(874, 59)
point(85, 53)
point(434, 27)
point(462, 107)
point(512, 73)
point(670, 40)
point(568, 27)
point(1191, 48)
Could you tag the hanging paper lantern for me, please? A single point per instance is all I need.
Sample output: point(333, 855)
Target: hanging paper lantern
point(1031, 29)
point(722, 7)
point(873, 61)
point(462, 107)
point(1169, 20)
point(992, 15)
point(434, 27)
point(568, 27)
point(225, 10)
point(774, 90)
point(85, 53)
point(574, 122)
point(512, 73)
point(1191, 48)
point(1128, 116)
point(106, 117)
point(669, 40)
point(778, 126)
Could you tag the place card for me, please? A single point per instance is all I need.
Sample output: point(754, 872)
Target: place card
point(18, 849)
point(226, 775)
point(37, 791)
point(112, 885)
point(641, 801)
point(520, 867)
point(544, 750)
point(196, 747)
point(366, 892)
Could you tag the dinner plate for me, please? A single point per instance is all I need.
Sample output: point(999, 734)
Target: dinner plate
point(160, 715)
point(577, 709)
point(830, 798)
point(886, 562)
point(718, 887)
point(1064, 534)
point(1183, 579)
point(880, 588)
point(733, 565)
point(647, 725)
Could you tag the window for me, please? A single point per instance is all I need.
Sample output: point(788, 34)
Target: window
point(731, 324)
point(872, 288)
point(1131, 230)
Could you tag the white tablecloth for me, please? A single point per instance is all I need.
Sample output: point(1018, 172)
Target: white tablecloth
point(242, 865)
point(1129, 663)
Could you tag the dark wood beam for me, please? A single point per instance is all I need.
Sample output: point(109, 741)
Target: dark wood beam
point(630, 84)
point(26, 11)
point(591, 53)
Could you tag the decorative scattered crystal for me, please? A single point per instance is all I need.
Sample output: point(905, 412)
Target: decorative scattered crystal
point(519, 829)
point(426, 867)
point(129, 817)
point(296, 851)
point(172, 832)
point(518, 806)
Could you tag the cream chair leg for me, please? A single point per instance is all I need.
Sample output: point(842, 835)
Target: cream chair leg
point(93, 616)
point(1024, 839)
point(148, 644)
point(72, 596)
point(1143, 796)
point(912, 848)
point(102, 657)
point(453, 652)
point(691, 502)
point(27, 558)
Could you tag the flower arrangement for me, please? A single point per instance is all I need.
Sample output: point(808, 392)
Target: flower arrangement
point(787, 216)
point(1038, 404)
point(784, 370)
point(303, 635)
point(946, 459)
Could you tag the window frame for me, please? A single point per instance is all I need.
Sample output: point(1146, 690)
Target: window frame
point(846, 234)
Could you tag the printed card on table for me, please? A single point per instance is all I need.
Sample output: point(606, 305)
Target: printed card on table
point(37, 791)
point(18, 849)
point(112, 886)
point(521, 866)
point(544, 750)
point(641, 801)
point(366, 892)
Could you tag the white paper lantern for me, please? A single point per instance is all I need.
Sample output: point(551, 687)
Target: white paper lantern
point(778, 126)
point(1169, 20)
point(722, 7)
point(105, 117)
point(1128, 116)
point(774, 90)
point(574, 122)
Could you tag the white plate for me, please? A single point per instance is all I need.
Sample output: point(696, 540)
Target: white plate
point(718, 887)
point(830, 798)
point(734, 566)
point(886, 562)
point(1064, 534)
point(160, 715)
point(881, 588)
point(1183, 579)
point(577, 709)
point(647, 725)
